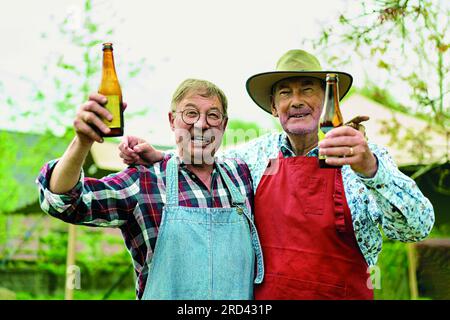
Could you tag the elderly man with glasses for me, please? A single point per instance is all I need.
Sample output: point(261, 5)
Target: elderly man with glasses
point(187, 220)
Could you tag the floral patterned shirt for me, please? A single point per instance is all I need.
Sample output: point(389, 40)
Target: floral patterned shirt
point(390, 199)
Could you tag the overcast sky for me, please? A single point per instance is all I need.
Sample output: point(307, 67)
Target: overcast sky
point(221, 41)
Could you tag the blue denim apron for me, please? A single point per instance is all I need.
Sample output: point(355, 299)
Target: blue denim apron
point(204, 253)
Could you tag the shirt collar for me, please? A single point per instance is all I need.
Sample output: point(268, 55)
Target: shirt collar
point(286, 149)
point(183, 165)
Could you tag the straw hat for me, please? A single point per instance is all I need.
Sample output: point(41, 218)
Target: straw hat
point(294, 63)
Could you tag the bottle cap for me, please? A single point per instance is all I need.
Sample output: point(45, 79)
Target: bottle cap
point(107, 45)
point(332, 76)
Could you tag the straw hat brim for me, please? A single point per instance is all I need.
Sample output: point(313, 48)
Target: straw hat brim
point(260, 85)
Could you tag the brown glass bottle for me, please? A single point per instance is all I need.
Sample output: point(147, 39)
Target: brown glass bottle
point(110, 88)
point(331, 116)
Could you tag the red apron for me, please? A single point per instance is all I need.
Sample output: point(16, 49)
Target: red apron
point(306, 232)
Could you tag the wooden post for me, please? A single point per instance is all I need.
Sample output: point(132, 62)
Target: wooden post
point(412, 270)
point(71, 248)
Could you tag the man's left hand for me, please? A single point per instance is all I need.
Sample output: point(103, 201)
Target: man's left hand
point(346, 145)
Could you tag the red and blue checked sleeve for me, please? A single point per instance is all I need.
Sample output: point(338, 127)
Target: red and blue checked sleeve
point(106, 202)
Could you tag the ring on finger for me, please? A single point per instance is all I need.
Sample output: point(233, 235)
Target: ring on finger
point(351, 152)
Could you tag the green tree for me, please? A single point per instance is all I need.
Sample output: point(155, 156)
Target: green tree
point(51, 103)
point(69, 77)
point(75, 72)
point(403, 44)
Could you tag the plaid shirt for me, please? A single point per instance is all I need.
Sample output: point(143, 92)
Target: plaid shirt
point(120, 200)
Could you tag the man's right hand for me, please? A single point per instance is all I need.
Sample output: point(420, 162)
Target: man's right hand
point(134, 150)
point(88, 122)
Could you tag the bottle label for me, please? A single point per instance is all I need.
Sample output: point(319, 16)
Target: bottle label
point(113, 106)
point(321, 133)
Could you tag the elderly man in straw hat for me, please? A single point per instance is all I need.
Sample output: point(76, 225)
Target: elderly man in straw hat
point(319, 228)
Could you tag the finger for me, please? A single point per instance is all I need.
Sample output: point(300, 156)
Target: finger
point(124, 106)
point(127, 143)
point(99, 98)
point(129, 152)
point(123, 144)
point(127, 158)
point(338, 161)
point(94, 121)
point(143, 148)
point(339, 151)
point(125, 151)
point(85, 129)
point(99, 110)
point(342, 131)
point(359, 119)
point(339, 141)
point(353, 125)
point(132, 141)
point(132, 153)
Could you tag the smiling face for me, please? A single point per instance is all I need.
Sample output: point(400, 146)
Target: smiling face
point(298, 103)
point(197, 140)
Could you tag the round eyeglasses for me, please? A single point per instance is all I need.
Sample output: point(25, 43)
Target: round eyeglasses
point(214, 118)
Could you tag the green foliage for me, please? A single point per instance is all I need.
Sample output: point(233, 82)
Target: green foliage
point(52, 104)
point(9, 185)
point(22, 157)
point(69, 77)
point(52, 252)
point(92, 255)
point(393, 264)
point(101, 257)
point(383, 35)
point(407, 139)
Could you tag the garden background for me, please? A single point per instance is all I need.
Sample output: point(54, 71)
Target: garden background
point(397, 51)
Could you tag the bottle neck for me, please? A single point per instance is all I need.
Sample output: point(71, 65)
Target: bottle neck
point(331, 114)
point(110, 82)
point(331, 89)
point(108, 60)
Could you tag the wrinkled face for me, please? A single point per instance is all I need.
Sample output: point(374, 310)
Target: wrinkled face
point(198, 140)
point(298, 103)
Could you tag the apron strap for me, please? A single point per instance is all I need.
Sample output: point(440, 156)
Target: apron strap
point(172, 182)
point(237, 200)
point(236, 195)
point(338, 197)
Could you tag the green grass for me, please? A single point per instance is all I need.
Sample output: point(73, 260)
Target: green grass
point(79, 295)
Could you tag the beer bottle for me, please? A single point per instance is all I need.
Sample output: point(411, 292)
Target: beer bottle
point(331, 116)
point(110, 88)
